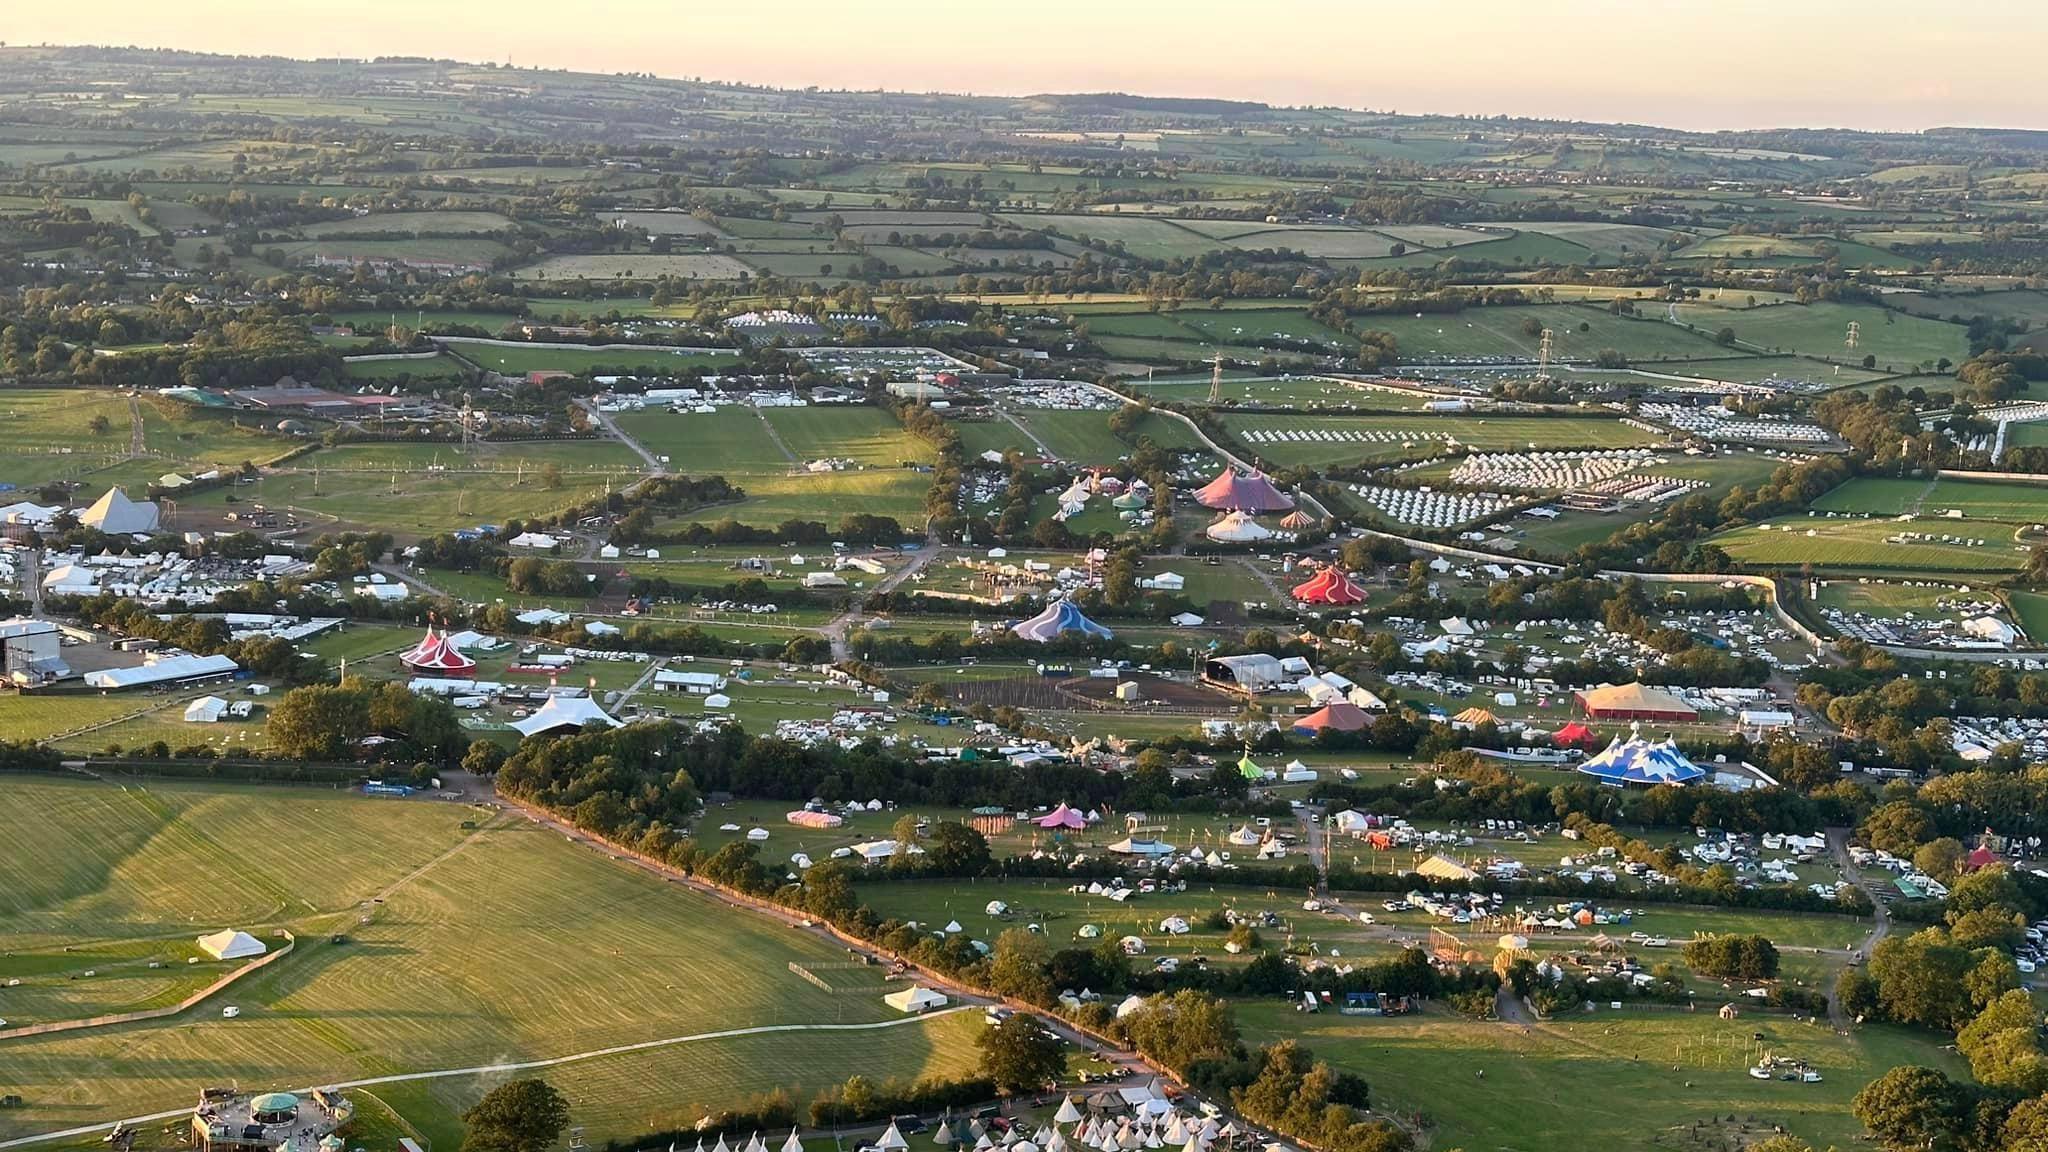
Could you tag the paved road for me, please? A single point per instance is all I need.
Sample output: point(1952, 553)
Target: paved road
point(837, 628)
point(1838, 845)
point(604, 421)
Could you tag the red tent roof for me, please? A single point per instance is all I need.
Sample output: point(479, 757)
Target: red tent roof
point(1330, 586)
point(1234, 492)
point(1337, 714)
point(1574, 733)
point(435, 654)
point(1980, 857)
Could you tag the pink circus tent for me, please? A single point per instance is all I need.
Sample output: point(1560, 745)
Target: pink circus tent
point(1063, 817)
point(1233, 491)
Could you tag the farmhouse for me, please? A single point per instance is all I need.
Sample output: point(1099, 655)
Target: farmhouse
point(1634, 702)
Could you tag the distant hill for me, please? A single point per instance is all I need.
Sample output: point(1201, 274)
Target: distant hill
point(1125, 102)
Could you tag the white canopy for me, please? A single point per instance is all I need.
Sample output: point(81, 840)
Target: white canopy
point(564, 712)
point(913, 999)
point(231, 944)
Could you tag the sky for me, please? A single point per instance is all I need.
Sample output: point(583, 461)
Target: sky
point(1895, 65)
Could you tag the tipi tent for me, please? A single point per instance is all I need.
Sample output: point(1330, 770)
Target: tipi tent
point(1638, 761)
point(231, 944)
point(1329, 586)
point(1059, 616)
point(1232, 491)
point(117, 515)
point(564, 712)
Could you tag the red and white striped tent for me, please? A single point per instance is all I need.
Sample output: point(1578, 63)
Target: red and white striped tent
point(435, 655)
point(1329, 586)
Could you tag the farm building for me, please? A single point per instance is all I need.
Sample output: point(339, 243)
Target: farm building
point(1232, 491)
point(1638, 761)
point(1634, 702)
point(231, 944)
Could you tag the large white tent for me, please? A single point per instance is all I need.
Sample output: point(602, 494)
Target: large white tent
point(205, 710)
point(231, 944)
point(117, 515)
point(565, 712)
point(914, 999)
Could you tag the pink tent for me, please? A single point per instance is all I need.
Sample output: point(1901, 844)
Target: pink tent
point(1062, 817)
point(1231, 490)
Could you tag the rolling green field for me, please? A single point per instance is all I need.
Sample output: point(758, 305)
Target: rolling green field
point(413, 503)
point(1873, 544)
point(500, 944)
point(1660, 1072)
point(639, 266)
point(517, 361)
point(1977, 500)
point(1899, 342)
point(46, 433)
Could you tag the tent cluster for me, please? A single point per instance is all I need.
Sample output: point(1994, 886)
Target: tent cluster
point(1434, 509)
point(1329, 586)
point(1546, 471)
point(1340, 436)
point(1059, 616)
point(436, 655)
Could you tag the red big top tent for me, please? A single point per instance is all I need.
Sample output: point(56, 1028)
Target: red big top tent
point(1330, 586)
point(1234, 492)
point(1575, 735)
point(435, 656)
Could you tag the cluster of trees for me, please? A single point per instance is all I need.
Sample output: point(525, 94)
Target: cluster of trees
point(1749, 957)
point(334, 721)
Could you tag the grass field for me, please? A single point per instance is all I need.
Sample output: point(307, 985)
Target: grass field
point(452, 223)
point(505, 943)
point(1881, 496)
point(638, 266)
point(429, 368)
point(411, 502)
point(46, 433)
point(731, 440)
point(1660, 1071)
point(1898, 341)
point(519, 361)
point(864, 434)
point(1871, 544)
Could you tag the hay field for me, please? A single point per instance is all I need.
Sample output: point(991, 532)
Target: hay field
point(503, 944)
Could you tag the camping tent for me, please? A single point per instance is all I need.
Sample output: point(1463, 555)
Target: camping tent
point(1638, 761)
point(915, 999)
point(1242, 492)
point(117, 515)
point(564, 712)
point(205, 710)
point(1338, 715)
point(1059, 616)
point(1329, 586)
point(231, 944)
